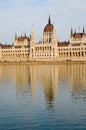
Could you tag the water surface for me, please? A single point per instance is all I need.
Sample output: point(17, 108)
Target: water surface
point(43, 97)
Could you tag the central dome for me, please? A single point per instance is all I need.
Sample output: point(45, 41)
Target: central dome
point(49, 27)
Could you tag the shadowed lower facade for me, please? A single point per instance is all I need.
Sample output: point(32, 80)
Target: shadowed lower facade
point(48, 49)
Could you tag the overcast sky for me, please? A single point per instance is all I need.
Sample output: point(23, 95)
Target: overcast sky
point(17, 16)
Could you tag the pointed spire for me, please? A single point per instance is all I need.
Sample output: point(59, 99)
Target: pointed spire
point(68, 41)
point(15, 36)
point(32, 33)
point(49, 20)
point(83, 30)
point(32, 36)
point(79, 29)
point(75, 31)
point(25, 35)
point(71, 31)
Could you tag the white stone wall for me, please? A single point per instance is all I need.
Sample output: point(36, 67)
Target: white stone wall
point(15, 54)
point(25, 42)
point(46, 50)
point(72, 52)
point(79, 40)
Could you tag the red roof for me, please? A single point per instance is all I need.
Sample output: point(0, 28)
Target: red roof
point(5, 46)
point(62, 44)
point(78, 35)
point(49, 28)
point(21, 39)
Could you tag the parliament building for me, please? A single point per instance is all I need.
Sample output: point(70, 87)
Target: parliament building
point(49, 48)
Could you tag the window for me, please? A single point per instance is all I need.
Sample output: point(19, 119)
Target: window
point(49, 39)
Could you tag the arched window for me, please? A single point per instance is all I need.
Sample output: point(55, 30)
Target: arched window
point(49, 40)
point(50, 48)
point(32, 50)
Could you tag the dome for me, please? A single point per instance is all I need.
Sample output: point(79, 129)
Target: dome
point(49, 27)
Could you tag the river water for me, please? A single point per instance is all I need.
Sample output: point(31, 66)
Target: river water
point(43, 97)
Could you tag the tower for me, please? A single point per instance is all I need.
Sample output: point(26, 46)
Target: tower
point(83, 30)
point(15, 36)
point(32, 44)
point(32, 38)
point(71, 31)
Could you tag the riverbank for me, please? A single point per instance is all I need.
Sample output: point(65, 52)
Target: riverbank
point(43, 62)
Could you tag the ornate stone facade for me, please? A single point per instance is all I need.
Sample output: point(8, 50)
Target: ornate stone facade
point(19, 51)
point(48, 49)
point(76, 48)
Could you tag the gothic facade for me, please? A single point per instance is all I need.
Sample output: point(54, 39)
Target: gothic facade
point(48, 49)
point(19, 51)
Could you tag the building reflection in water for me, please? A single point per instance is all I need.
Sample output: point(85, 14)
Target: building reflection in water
point(19, 75)
point(27, 77)
point(76, 74)
point(47, 76)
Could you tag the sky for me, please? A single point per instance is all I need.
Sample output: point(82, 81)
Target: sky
point(18, 16)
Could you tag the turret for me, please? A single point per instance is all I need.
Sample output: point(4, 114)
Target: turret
point(32, 38)
point(83, 30)
point(15, 36)
point(71, 31)
point(25, 35)
point(75, 31)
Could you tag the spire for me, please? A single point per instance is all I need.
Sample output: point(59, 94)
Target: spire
point(49, 20)
point(15, 36)
point(71, 31)
point(32, 33)
point(75, 31)
point(83, 30)
point(25, 35)
point(32, 36)
point(68, 41)
point(79, 29)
